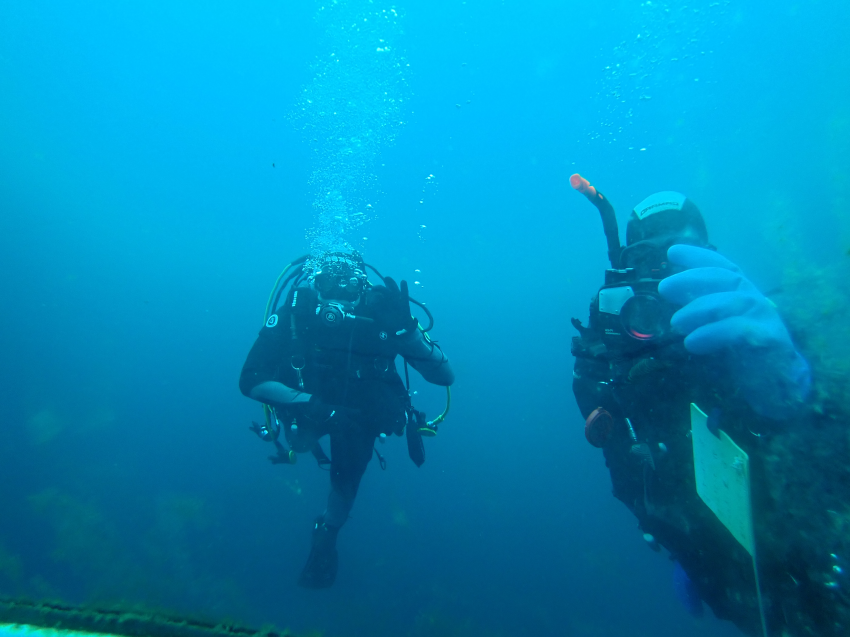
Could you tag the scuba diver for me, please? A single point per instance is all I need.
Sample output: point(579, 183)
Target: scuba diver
point(675, 323)
point(324, 364)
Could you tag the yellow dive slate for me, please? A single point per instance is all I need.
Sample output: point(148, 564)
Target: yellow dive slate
point(723, 478)
point(722, 471)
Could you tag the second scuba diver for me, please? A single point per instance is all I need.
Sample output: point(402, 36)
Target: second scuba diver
point(324, 363)
point(677, 323)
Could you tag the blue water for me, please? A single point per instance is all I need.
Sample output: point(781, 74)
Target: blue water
point(154, 181)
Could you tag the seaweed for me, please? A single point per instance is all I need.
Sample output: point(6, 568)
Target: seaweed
point(805, 520)
point(129, 622)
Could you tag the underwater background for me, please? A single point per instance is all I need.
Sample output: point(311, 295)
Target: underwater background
point(161, 162)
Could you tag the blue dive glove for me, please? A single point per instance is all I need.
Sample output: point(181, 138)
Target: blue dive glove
point(724, 314)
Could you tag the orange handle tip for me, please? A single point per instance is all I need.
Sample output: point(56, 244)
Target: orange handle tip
point(582, 185)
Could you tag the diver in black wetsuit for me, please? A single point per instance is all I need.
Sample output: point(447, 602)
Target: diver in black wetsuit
point(324, 363)
point(676, 323)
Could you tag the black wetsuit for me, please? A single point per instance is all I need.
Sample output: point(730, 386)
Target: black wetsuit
point(799, 477)
point(653, 387)
point(348, 368)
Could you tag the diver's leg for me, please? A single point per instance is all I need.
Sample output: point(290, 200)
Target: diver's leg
point(320, 569)
point(351, 450)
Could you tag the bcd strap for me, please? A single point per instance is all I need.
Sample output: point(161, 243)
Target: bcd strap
point(302, 301)
point(381, 460)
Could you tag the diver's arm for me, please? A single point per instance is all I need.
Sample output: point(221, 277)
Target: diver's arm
point(260, 378)
point(413, 344)
point(274, 393)
point(426, 357)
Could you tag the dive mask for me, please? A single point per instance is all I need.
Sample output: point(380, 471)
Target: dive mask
point(340, 277)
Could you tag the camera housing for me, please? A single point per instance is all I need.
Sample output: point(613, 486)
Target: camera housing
point(629, 313)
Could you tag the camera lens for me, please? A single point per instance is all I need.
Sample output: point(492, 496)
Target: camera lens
point(645, 317)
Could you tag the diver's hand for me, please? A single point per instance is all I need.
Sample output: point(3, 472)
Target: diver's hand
point(722, 308)
point(263, 432)
point(398, 319)
point(725, 314)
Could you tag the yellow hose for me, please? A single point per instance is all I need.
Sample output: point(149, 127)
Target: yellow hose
point(271, 294)
point(442, 416)
point(267, 411)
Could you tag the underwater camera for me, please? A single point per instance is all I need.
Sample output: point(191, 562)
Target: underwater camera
point(629, 312)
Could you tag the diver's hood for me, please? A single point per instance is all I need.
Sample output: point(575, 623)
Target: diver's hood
point(666, 214)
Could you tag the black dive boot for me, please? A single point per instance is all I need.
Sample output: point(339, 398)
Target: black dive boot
point(320, 570)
